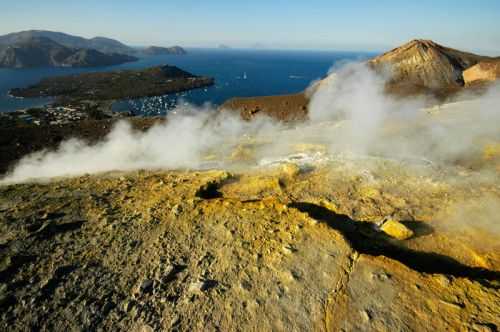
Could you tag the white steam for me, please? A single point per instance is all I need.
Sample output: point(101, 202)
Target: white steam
point(181, 142)
point(481, 215)
point(376, 123)
point(349, 111)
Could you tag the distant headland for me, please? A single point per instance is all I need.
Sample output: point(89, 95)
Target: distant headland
point(40, 48)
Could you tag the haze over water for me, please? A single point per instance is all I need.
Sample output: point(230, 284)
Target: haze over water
point(237, 73)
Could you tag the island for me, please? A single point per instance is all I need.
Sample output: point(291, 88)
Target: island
point(123, 84)
point(157, 50)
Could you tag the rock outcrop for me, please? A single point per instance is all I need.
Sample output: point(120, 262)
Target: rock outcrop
point(485, 71)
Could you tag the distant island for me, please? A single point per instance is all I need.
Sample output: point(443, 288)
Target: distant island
point(40, 48)
point(124, 84)
point(157, 50)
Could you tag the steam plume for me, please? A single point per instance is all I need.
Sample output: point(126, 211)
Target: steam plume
point(349, 111)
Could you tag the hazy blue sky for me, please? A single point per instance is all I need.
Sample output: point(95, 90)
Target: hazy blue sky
point(325, 24)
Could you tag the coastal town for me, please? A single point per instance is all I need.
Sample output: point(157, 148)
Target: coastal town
point(59, 115)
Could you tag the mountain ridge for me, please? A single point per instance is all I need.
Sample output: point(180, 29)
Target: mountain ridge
point(45, 52)
point(102, 44)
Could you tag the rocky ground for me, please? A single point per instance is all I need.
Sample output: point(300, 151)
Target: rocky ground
point(280, 247)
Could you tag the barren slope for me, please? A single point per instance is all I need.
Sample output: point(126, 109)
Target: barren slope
point(423, 65)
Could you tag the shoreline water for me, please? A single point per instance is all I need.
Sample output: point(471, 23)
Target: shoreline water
point(225, 66)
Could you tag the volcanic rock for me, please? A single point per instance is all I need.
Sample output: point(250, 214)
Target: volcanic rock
point(260, 256)
point(485, 71)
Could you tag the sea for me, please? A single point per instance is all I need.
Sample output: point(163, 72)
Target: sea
point(237, 73)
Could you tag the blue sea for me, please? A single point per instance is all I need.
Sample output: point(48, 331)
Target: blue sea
point(237, 73)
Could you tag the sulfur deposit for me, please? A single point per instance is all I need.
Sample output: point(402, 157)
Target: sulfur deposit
point(279, 247)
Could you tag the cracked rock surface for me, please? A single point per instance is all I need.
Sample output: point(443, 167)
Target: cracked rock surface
point(259, 250)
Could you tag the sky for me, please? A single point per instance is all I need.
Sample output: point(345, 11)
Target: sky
point(371, 25)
